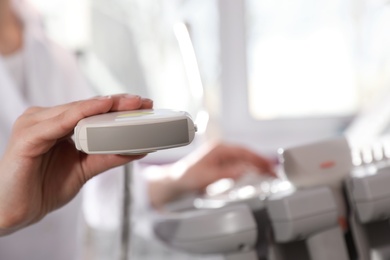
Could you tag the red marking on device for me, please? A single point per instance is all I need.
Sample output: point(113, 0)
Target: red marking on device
point(343, 223)
point(327, 164)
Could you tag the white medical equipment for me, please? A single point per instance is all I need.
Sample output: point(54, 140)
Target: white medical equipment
point(134, 132)
point(225, 216)
point(323, 163)
point(251, 190)
point(369, 198)
point(229, 231)
point(291, 223)
point(306, 221)
point(305, 225)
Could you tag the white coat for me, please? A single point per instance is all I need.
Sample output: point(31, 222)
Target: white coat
point(52, 77)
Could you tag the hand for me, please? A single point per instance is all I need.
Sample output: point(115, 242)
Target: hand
point(42, 170)
point(209, 164)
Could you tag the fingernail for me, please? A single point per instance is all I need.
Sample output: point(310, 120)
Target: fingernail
point(103, 97)
point(147, 100)
point(131, 96)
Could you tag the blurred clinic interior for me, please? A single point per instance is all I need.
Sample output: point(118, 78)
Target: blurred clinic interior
point(262, 73)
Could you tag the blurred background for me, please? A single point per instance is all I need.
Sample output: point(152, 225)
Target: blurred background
point(263, 73)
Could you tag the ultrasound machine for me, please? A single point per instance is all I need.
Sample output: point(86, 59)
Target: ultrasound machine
point(327, 207)
point(331, 200)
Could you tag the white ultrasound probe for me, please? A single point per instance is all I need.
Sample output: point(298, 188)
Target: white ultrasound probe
point(134, 132)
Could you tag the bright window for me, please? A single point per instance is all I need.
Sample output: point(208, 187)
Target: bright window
point(315, 58)
point(301, 59)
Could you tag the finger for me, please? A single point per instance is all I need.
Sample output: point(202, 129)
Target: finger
point(126, 102)
point(230, 154)
point(233, 172)
point(261, 163)
point(33, 110)
point(92, 165)
point(119, 102)
point(147, 103)
point(36, 114)
point(40, 136)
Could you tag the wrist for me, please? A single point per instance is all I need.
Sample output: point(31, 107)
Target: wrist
point(11, 222)
point(165, 186)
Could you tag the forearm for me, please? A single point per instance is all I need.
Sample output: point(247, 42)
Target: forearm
point(163, 186)
point(6, 226)
point(11, 218)
point(13, 215)
point(161, 192)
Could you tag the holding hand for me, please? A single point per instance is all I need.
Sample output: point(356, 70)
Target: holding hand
point(42, 170)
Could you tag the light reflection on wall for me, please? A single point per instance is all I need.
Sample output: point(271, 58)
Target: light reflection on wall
point(321, 58)
point(134, 41)
point(301, 59)
point(66, 21)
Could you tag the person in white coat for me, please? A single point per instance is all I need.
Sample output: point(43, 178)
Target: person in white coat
point(36, 72)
